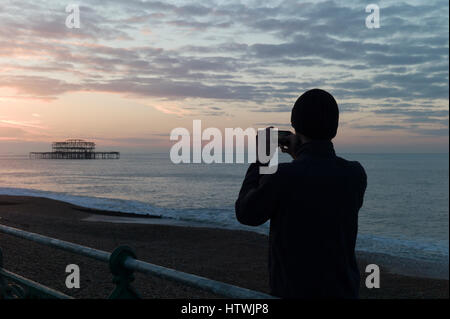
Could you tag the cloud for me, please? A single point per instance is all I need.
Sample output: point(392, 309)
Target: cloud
point(414, 129)
point(263, 53)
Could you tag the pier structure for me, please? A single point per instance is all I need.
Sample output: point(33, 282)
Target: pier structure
point(74, 149)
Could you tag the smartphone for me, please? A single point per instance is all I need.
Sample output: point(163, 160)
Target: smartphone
point(283, 138)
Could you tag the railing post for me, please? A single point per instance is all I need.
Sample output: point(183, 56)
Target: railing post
point(123, 277)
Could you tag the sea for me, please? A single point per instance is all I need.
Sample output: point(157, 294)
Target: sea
point(405, 211)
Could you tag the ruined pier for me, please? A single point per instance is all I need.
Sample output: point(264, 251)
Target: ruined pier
point(74, 149)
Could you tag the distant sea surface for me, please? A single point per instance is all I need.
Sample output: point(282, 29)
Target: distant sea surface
point(405, 212)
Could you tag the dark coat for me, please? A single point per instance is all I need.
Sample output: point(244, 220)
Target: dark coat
point(313, 205)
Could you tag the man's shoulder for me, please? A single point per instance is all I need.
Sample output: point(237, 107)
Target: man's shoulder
point(353, 167)
point(306, 164)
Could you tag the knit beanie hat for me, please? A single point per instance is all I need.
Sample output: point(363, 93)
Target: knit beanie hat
point(316, 115)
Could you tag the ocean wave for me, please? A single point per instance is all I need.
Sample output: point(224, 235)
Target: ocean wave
point(419, 250)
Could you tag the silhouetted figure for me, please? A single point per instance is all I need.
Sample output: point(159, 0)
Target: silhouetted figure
point(312, 204)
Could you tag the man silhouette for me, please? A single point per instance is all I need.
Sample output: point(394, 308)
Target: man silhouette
point(312, 204)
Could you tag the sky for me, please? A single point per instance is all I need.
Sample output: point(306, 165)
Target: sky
point(136, 69)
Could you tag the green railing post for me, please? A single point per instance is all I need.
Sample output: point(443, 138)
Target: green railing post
point(123, 277)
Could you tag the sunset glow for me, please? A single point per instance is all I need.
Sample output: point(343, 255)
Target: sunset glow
point(135, 70)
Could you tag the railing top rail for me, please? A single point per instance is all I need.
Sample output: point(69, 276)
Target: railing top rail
point(130, 263)
point(57, 243)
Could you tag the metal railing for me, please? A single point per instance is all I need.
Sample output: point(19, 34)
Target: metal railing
point(122, 263)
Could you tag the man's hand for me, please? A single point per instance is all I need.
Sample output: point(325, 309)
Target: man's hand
point(292, 145)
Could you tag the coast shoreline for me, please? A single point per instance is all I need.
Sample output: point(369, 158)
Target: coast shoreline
point(233, 256)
